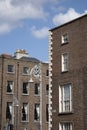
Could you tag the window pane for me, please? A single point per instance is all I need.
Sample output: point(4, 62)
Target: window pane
point(37, 112)
point(26, 70)
point(25, 112)
point(37, 89)
point(65, 97)
point(9, 86)
point(25, 88)
point(10, 68)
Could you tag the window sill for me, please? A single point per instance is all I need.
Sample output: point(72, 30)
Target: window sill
point(10, 72)
point(65, 113)
point(25, 94)
point(64, 43)
point(65, 71)
point(24, 121)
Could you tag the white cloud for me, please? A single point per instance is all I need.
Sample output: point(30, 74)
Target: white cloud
point(63, 18)
point(13, 12)
point(42, 33)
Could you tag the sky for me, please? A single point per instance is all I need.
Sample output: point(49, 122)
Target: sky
point(25, 24)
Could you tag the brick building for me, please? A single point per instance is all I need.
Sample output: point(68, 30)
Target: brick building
point(68, 75)
point(24, 88)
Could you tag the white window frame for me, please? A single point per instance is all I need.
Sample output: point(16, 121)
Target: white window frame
point(65, 38)
point(63, 107)
point(65, 62)
point(66, 126)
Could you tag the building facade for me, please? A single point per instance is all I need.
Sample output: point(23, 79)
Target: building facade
point(68, 75)
point(24, 88)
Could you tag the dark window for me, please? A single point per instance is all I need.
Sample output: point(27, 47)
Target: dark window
point(10, 68)
point(25, 112)
point(37, 89)
point(25, 88)
point(47, 72)
point(9, 86)
point(9, 111)
point(37, 112)
point(47, 89)
point(47, 112)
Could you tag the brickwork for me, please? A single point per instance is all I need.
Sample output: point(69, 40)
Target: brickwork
point(76, 74)
point(18, 78)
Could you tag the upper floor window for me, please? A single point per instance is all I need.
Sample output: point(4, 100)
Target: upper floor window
point(47, 112)
point(25, 70)
point(25, 112)
point(10, 68)
point(65, 62)
point(47, 72)
point(9, 110)
point(9, 86)
point(65, 126)
point(47, 89)
point(65, 38)
point(25, 89)
point(65, 98)
point(37, 112)
point(37, 89)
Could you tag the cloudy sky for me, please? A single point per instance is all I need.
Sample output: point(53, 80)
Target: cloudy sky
point(25, 24)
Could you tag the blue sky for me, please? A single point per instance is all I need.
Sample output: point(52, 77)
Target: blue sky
point(24, 24)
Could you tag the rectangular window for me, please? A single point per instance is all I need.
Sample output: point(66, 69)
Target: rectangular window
point(25, 88)
point(47, 72)
point(64, 38)
point(25, 109)
point(37, 112)
point(25, 70)
point(10, 68)
point(47, 89)
point(65, 98)
point(37, 89)
point(65, 126)
point(47, 112)
point(9, 110)
point(65, 62)
point(9, 86)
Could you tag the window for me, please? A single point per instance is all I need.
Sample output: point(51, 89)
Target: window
point(47, 112)
point(65, 62)
point(65, 98)
point(25, 112)
point(64, 38)
point(37, 112)
point(65, 126)
point(9, 86)
point(9, 110)
point(10, 68)
point(47, 72)
point(25, 70)
point(47, 89)
point(25, 88)
point(37, 89)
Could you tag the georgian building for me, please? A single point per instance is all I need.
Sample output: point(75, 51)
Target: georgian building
point(24, 89)
point(68, 75)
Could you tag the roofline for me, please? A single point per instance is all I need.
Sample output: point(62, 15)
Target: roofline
point(80, 17)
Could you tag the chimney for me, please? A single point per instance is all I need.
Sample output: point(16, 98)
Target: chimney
point(20, 53)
